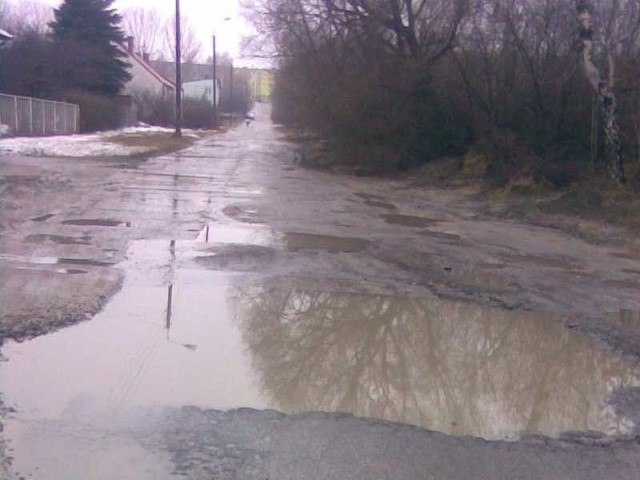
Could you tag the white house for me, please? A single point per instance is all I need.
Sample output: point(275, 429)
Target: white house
point(202, 89)
point(145, 78)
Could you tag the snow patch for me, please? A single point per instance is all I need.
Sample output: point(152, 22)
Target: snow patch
point(84, 145)
point(67, 146)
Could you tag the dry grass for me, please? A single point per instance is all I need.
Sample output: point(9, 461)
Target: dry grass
point(155, 143)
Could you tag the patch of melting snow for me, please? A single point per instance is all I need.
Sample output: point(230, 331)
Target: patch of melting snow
point(81, 145)
point(67, 146)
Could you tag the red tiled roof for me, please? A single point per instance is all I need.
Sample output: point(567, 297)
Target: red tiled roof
point(161, 78)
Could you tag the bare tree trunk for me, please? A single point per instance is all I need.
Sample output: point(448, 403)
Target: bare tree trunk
point(604, 89)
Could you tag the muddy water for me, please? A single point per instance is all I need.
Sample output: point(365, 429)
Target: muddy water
point(409, 220)
point(138, 353)
point(179, 333)
point(450, 367)
point(304, 241)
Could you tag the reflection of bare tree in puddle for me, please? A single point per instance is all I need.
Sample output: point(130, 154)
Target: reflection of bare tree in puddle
point(451, 367)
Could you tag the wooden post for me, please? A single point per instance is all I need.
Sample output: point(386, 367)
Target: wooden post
point(15, 105)
point(31, 116)
point(231, 91)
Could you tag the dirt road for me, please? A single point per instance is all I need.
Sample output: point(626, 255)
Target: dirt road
point(228, 276)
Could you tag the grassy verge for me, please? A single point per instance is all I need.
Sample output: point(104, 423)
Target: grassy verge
point(587, 205)
point(581, 206)
point(154, 143)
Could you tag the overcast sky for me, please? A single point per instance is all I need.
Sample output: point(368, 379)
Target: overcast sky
point(205, 16)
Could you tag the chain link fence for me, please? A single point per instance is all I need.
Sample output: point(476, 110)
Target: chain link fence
point(25, 116)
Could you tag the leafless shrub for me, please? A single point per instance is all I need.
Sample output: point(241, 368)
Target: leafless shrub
point(424, 79)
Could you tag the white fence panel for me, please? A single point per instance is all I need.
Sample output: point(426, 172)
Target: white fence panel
point(27, 116)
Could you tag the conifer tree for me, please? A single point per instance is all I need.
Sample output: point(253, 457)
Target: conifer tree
point(86, 34)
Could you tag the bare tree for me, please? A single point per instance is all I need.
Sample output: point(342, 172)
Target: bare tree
point(603, 85)
point(391, 80)
point(21, 16)
point(145, 25)
point(191, 46)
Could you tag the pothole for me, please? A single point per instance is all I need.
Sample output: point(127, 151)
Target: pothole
point(549, 261)
point(629, 320)
point(479, 278)
point(236, 257)
point(237, 234)
point(628, 284)
point(242, 214)
point(409, 220)
point(453, 237)
point(453, 367)
point(43, 218)
point(376, 201)
point(59, 239)
point(295, 242)
point(96, 222)
point(84, 261)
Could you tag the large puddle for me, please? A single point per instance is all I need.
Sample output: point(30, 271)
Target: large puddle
point(451, 367)
point(179, 335)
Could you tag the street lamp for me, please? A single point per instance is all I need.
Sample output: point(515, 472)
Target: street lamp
point(215, 86)
point(215, 83)
point(178, 113)
point(231, 90)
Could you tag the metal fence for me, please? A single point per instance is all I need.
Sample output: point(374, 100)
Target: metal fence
point(27, 116)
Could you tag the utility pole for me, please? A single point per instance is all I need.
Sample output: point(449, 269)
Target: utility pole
point(231, 91)
point(215, 95)
point(178, 119)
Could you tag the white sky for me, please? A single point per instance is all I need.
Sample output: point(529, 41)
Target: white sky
point(205, 16)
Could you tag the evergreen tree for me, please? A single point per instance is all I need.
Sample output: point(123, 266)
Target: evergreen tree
point(86, 34)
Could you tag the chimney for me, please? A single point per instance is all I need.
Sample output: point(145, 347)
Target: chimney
point(130, 44)
point(145, 57)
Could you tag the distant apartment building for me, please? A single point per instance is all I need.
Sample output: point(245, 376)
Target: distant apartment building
point(260, 83)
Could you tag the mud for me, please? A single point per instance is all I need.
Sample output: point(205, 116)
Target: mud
point(409, 220)
point(94, 222)
point(43, 218)
point(375, 201)
point(61, 239)
point(242, 214)
point(559, 261)
point(175, 335)
point(296, 241)
point(238, 257)
point(84, 261)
